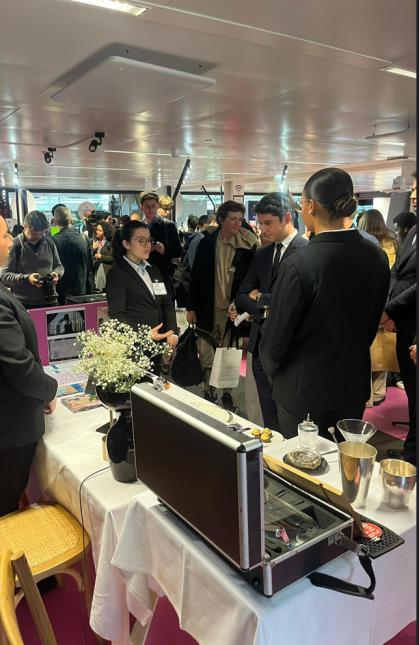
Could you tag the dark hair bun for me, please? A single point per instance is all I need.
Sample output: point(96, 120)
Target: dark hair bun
point(345, 205)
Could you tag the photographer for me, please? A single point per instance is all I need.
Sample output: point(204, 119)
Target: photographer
point(26, 392)
point(33, 267)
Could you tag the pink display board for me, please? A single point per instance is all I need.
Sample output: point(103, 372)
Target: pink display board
point(57, 328)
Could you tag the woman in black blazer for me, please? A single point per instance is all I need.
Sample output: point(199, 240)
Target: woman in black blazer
point(135, 290)
point(325, 311)
point(26, 392)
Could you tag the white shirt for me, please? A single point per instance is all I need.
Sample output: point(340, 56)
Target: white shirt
point(141, 270)
point(285, 244)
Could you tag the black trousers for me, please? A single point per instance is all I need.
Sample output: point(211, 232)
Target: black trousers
point(264, 388)
point(405, 338)
point(324, 419)
point(14, 472)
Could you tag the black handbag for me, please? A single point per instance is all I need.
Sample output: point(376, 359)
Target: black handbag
point(186, 369)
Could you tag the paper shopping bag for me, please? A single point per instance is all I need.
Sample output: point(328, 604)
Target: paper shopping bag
point(225, 371)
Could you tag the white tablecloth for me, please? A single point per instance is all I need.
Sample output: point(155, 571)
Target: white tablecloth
point(147, 545)
point(215, 605)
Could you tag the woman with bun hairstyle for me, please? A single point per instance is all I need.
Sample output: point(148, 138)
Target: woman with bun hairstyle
point(135, 290)
point(326, 307)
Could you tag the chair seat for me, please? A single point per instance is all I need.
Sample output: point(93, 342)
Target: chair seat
point(48, 535)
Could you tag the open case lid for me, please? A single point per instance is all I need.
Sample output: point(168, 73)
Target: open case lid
point(314, 486)
point(203, 470)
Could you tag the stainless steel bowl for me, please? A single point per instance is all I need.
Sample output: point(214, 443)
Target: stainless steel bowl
point(398, 480)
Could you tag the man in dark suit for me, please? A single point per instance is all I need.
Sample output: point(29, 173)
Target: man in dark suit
point(400, 317)
point(275, 218)
point(74, 250)
point(26, 392)
point(325, 310)
point(166, 245)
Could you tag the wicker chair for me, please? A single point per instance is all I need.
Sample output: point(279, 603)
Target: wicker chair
point(52, 540)
point(12, 568)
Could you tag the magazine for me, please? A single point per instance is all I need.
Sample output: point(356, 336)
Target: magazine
point(71, 388)
point(81, 403)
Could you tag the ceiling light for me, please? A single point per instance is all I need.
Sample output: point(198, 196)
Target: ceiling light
point(134, 152)
point(392, 143)
point(114, 5)
point(400, 71)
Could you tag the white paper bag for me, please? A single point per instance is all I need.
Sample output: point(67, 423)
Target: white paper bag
point(225, 371)
point(100, 278)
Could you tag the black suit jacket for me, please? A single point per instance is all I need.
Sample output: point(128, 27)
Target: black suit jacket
point(24, 386)
point(326, 307)
point(130, 300)
point(259, 276)
point(401, 305)
point(73, 249)
point(201, 291)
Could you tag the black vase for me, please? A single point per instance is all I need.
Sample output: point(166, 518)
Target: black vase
point(116, 401)
point(119, 439)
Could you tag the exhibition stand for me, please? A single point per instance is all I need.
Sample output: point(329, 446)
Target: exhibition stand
point(57, 328)
point(138, 544)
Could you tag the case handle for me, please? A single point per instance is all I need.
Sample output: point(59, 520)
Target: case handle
point(336, 584)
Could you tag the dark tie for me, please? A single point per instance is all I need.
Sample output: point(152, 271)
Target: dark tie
point(277, 259)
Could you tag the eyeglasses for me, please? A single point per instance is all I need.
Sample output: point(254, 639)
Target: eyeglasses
point(144, 241)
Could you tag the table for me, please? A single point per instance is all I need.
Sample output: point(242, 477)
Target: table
point(70, 452)
point(215, 605)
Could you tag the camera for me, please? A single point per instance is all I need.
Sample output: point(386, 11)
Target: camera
point(48, 286)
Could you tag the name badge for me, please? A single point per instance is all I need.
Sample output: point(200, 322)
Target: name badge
point(159, 289)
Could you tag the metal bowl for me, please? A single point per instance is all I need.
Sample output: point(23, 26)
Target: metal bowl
point(398, 480)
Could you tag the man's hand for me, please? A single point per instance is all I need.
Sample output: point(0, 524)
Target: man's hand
point(97, 256)
point(34, 279)
point(384, 318)
point(172, 341)
point(159, 247)
point(390, 325)
point(254, 294)
point(232, 312)
point(191, 317)
point(413, 353)
point(55, 277)
point(50, 407)
point(157, 337)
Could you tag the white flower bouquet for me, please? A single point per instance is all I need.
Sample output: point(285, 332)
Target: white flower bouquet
point(117, 356)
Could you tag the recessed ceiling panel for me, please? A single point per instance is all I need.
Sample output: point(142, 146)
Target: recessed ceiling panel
point(130, 86)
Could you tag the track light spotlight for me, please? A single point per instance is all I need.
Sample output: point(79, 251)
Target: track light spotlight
point(97, 141)
point(49, 155)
